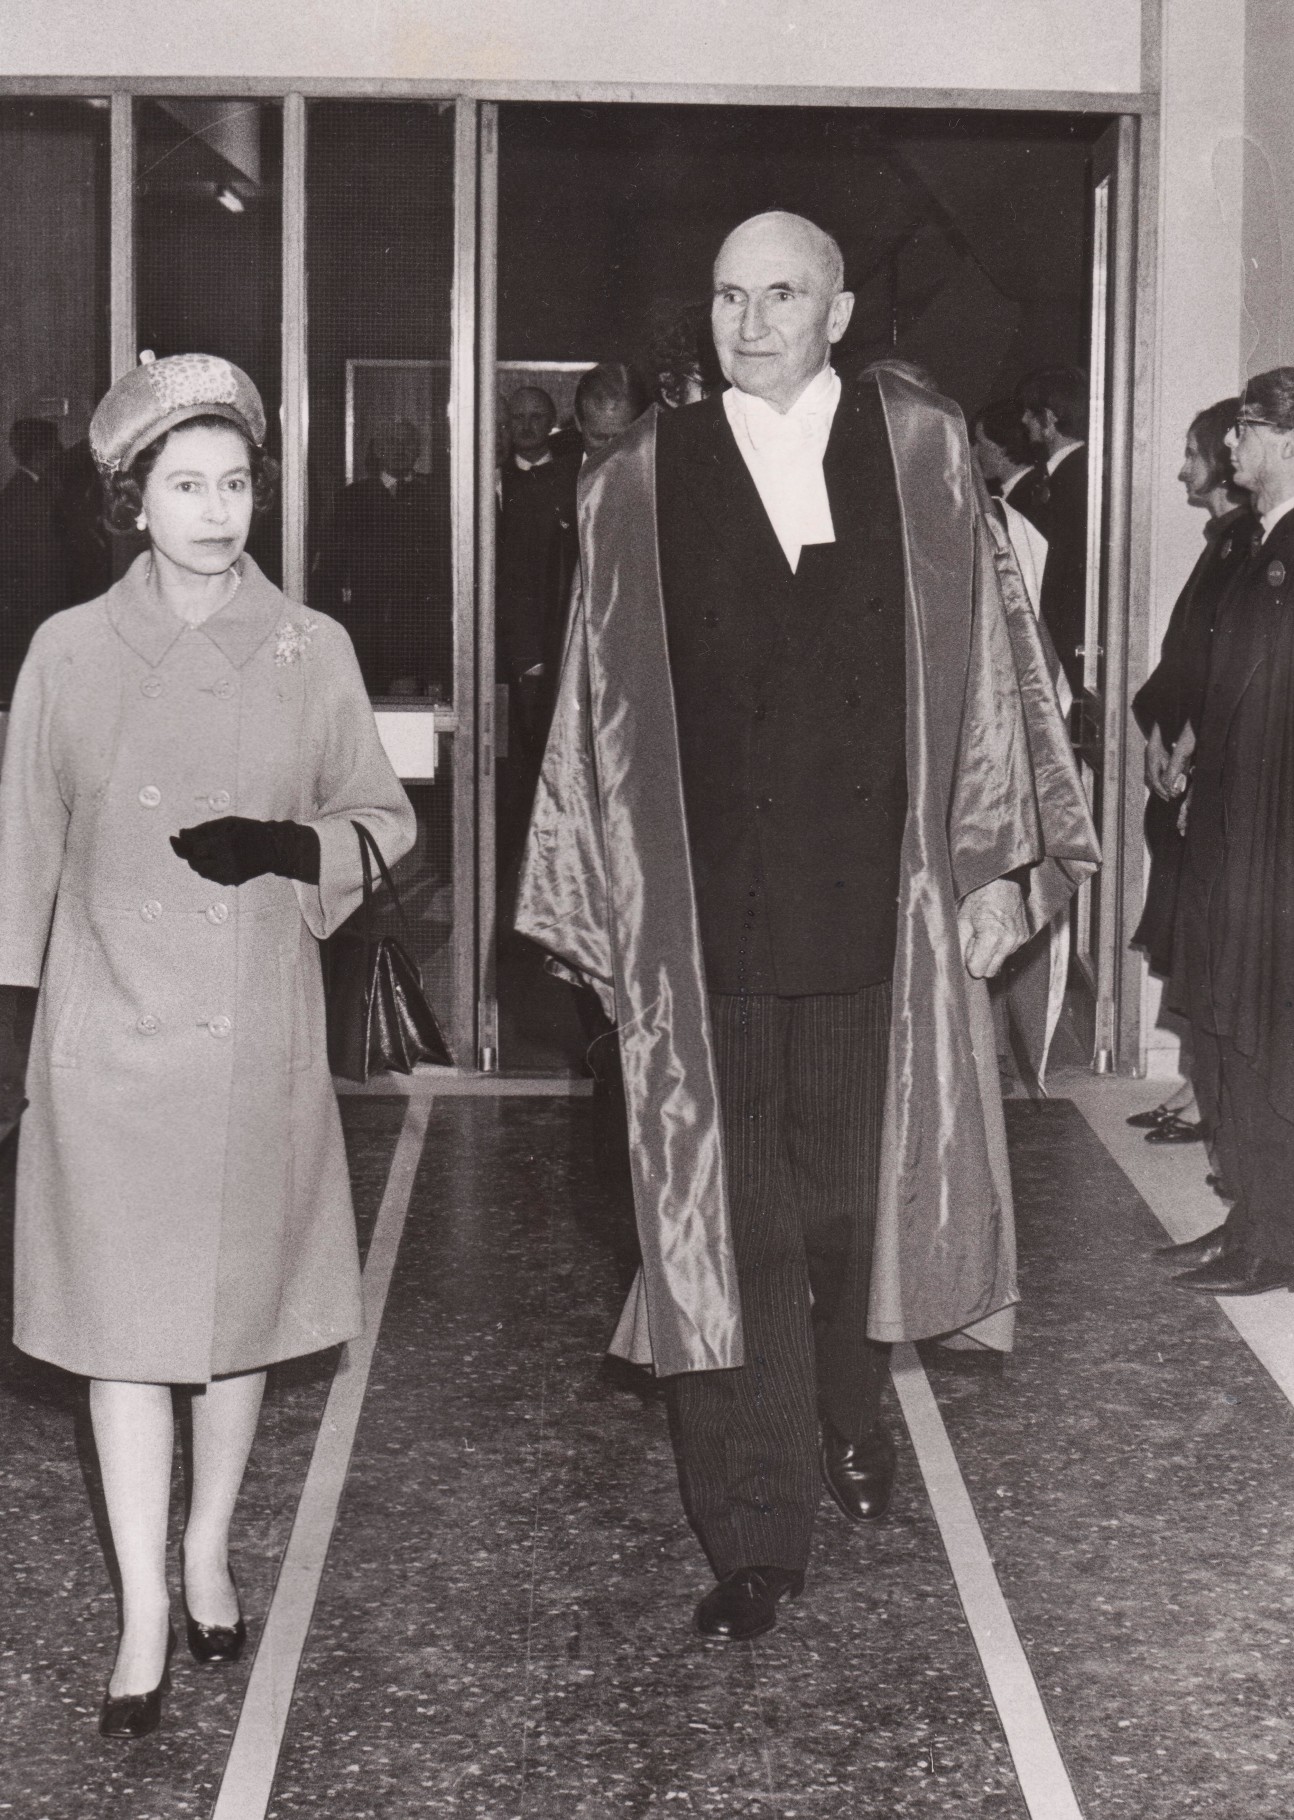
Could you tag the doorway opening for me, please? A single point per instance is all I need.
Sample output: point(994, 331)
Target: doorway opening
point(980, 246)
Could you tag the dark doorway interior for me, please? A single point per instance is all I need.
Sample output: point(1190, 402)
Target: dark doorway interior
point(966, 242)
point(964, 234)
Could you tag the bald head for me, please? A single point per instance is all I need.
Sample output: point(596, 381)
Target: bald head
point(786, 230)
point(531, 416)
point(779, 305)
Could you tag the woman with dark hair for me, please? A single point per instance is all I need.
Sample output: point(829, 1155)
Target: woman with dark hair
point(1167, 708)
point(185, 759)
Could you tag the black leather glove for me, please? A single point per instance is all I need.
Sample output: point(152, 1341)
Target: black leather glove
point(17, 1015)
point(234, 848)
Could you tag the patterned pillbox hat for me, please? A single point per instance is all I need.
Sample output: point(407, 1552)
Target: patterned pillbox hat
point(160, 394)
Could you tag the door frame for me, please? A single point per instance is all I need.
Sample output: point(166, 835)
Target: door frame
point(473, 1011)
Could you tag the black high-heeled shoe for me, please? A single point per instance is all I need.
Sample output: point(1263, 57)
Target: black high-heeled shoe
point(135, 1715)
point(214, 1644)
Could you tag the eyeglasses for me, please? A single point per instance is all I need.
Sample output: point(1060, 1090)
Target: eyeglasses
point(1254, 423)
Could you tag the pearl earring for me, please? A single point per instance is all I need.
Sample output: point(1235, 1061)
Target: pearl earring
point(141, 523)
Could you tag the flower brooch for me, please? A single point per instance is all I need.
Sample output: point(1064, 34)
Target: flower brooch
point(293, 640)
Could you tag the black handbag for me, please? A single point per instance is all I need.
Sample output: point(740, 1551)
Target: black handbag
point(378, 1015)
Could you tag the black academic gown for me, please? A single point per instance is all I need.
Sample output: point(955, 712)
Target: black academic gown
point(1233, 955)
point(1172, 695)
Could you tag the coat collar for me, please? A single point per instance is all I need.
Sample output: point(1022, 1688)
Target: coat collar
point(238, 630)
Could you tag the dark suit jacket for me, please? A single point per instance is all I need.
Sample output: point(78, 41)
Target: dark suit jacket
point(1062, 503)
point(1026, 496)
point(790, 697)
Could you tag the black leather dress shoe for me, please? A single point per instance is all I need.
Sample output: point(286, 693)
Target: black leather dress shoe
point(1235, 1274)
point(859, 1474)
point(1207, 1249)
point(1173, 1130)
point(744, 1603)
point(1146, 1121)
point(135, 1715)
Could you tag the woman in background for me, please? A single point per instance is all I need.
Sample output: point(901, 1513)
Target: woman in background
point(1167, 708)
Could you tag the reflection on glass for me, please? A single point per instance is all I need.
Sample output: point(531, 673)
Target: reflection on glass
point(53, 362)
point(208, 249)
point(380, 246)
point(380, 269)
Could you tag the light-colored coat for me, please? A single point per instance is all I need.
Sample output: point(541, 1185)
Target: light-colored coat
point(183, 1200)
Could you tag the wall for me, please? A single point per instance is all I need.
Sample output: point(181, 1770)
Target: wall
point(995, 44)
point(1268, 191)
point(1198, 330)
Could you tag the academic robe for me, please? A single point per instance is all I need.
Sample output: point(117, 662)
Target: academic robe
point(607, 888)
point(1233, 948)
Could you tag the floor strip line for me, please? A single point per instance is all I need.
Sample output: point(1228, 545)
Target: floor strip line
point(1039, 1766)
point(248, 1780)
point(1170, 1180)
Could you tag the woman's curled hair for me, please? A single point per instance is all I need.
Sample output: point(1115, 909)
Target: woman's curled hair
point(123, 494)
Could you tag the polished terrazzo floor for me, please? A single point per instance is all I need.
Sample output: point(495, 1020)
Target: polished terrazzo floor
point(502, 1628)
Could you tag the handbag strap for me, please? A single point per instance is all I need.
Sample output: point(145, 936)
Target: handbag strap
point(369, 847)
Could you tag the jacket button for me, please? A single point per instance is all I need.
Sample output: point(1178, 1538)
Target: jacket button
point(147, 1025)
point(217, 913)
point(224, 688)
point(150, 796)
point(220, 1026)
point(220, 799)
point(763, 802)
point(151, 910)
point(151, 687)
point(761, 712)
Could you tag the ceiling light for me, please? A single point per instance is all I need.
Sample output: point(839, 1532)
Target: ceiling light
point(231, 200)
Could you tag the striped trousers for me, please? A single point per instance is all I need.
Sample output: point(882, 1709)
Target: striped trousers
point(801, 1093)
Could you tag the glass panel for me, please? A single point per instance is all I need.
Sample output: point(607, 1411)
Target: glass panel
point(380, 265)
point(208, 249)
point(53, 362)
point(380, 256)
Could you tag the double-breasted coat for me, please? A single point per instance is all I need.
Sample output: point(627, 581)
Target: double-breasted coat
point(183, 1203)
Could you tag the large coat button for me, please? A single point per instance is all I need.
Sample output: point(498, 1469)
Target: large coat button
point(224, 688)
point(217, 913)
point(150, 796)
point(220, 799)
point(151, 910)
point(147, 1024)
point(220, 1026)
point(151, 687)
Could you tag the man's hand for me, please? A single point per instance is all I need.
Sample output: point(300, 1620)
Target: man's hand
point(991, 923)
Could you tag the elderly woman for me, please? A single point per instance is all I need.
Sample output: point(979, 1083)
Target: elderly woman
point(185, 760)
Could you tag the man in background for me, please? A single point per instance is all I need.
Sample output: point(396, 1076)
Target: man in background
point(378, 567)
point(1053, 402)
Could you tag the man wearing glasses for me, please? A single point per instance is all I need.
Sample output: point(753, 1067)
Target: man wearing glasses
point(1233, 963)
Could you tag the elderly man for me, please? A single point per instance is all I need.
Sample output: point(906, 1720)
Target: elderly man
point(1233, 950)
point(381, 571)
point(788, 768)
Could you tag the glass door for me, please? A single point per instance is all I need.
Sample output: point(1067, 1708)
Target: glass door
point(1099, 714)
point(389, 223)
